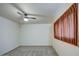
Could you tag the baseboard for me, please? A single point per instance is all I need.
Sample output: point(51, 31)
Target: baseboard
point(9, 51)
point(37, 45)
point(54, 50)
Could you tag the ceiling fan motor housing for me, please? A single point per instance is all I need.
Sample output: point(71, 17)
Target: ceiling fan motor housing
point(25, 14)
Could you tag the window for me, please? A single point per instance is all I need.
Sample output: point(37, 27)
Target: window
point(65, 28)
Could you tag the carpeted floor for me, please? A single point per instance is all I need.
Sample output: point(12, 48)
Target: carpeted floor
point(32, 51)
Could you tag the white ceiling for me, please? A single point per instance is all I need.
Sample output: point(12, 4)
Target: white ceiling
point(47, 10)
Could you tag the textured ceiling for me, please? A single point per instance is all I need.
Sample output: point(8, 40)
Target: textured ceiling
point(47, 10)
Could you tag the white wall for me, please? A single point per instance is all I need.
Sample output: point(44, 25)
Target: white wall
point(63, 48)
point(35, 34)
point(8, 35)
point(30, 34)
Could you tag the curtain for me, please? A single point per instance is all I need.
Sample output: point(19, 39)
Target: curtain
point(66, 26)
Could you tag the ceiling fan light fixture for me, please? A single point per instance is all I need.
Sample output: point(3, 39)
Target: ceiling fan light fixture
point(25, 19)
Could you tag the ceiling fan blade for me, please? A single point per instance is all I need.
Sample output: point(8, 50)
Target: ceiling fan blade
point(20, 13)
point(36, 15)
point(30, 14)
point(30, 17)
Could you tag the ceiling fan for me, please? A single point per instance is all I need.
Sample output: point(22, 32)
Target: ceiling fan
point(24, 14)
point(28, 16)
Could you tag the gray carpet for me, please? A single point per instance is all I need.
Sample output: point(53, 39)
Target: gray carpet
point(32, 51)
